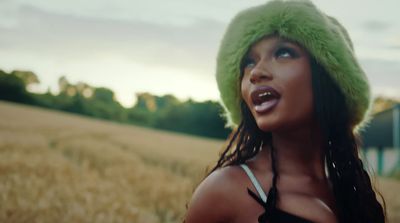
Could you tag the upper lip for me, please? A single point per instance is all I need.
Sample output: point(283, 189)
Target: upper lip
point(259, 92)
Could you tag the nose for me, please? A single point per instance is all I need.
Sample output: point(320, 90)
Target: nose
point(259, 73)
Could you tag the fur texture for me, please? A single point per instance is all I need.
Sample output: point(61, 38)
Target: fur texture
point(302, 22)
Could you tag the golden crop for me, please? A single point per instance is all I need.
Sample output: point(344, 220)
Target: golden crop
point(58, 167)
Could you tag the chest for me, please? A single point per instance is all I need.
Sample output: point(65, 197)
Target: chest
point(305, 200)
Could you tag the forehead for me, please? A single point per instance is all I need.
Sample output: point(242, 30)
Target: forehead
point(272, 42)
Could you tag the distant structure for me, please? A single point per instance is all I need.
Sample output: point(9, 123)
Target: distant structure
point(381, 141)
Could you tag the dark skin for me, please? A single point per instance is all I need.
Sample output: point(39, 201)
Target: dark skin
point(303, 186)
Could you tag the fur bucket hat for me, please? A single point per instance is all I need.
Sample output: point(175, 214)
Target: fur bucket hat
point(300, 21)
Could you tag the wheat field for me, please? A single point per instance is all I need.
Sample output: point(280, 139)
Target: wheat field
point(59, 167)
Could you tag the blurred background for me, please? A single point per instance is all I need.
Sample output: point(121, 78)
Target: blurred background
point(109, 110)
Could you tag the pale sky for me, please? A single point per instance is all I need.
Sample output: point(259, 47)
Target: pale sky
point(166, 47)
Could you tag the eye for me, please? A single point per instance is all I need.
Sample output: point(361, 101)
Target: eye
point(248, 62)
point(285, 52)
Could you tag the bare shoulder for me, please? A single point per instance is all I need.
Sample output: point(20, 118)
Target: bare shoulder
point(214, 199)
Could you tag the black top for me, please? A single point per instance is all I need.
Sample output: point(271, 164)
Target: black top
point(273, 214)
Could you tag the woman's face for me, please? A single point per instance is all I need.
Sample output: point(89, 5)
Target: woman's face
point(276, 84)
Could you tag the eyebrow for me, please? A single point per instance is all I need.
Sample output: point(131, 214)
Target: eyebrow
point(283, 42)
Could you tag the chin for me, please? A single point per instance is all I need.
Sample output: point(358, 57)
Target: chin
point(272, 120)
point(268, 126)
point(278, 121)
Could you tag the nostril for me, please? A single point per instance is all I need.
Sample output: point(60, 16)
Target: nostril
point(254, 75)
point(253, 79)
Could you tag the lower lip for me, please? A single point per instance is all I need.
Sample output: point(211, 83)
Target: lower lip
point(266, 106)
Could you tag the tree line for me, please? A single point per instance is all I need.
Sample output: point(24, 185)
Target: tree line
point(161, 112)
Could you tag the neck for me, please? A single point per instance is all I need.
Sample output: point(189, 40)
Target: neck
point(299, 153)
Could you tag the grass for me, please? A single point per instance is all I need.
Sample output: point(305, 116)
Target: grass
point(57, 167)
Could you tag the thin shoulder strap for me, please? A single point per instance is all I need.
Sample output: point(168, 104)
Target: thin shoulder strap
point(255, 182)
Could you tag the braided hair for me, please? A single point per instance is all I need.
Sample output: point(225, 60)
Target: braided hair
point(355, 199)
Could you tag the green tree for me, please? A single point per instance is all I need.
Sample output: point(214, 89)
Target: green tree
point(382, 103)
point(104, 94)
point(13, 88)
point(28, 77)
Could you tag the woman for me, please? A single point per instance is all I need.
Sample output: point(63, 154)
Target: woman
point(296, 96)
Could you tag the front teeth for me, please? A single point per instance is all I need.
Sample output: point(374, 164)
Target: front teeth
point(265, 94)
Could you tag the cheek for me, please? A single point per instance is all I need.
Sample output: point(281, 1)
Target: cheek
point(245, 93)
point(297, 78)
point(298, 92)
point(244, 90)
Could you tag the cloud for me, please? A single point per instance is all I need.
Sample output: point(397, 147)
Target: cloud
point(376, 25)
point(393, 42)
point(138, 55)
point(186, 47)
point(384, 76)
point(178, 12)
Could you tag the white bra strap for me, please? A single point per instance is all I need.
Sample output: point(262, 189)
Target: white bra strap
point(255, 182)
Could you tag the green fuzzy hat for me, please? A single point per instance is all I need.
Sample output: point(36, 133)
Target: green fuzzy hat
point(302, 22)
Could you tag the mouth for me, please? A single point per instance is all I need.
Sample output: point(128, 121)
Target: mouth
point(264, 98)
